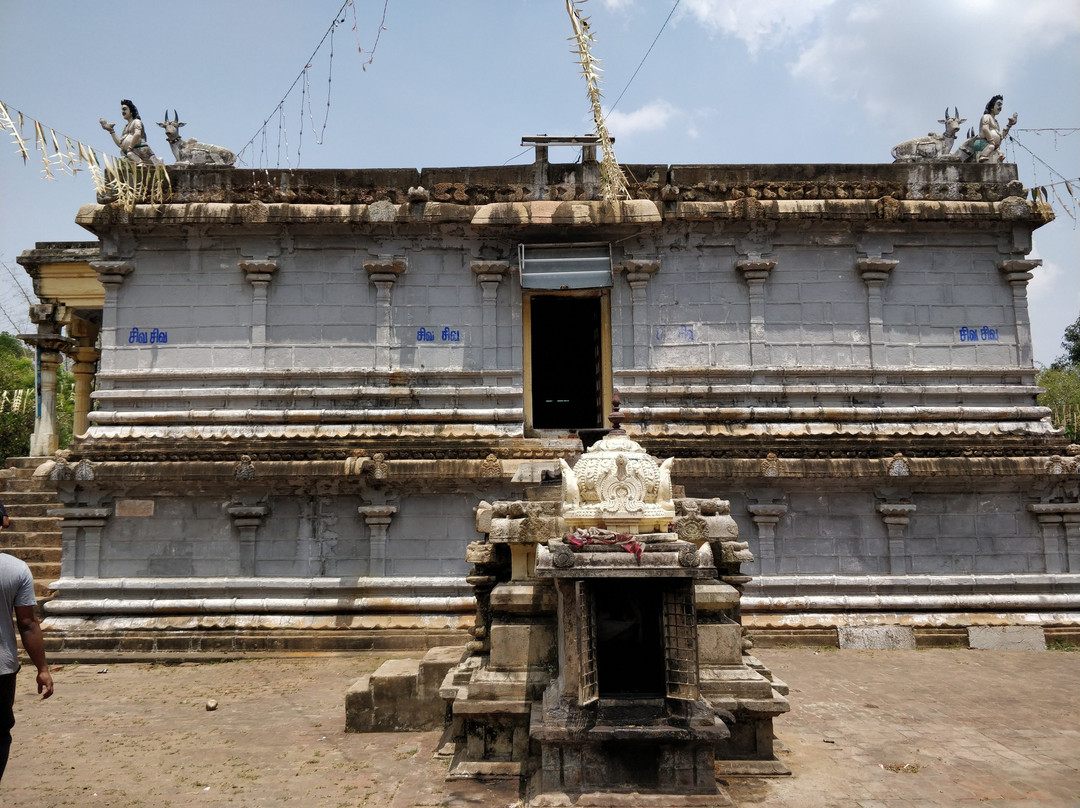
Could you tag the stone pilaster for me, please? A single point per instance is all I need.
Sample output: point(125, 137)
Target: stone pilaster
point(1059, 523)
point(247, 519)
point(384, 272)
point(489, 274)
point(80, 540)
point(874, 273)
point(378, 521)
point(896, 516)
point(638, 272)
point(111, 274)
point(1017, 273)
point(755, 272)
point(766, 516)
point(258, 273)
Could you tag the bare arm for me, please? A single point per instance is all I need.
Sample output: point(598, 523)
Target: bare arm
point(34, 643)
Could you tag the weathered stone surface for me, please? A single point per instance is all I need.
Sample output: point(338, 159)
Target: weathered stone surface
point(1007, 638)
point(876, 637)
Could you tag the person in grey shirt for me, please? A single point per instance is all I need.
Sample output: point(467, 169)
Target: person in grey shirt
point(17, 593)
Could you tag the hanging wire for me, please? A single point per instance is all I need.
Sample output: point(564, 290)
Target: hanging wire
point(628, 83)
point(1062, 181)
point(643, 58)
point(301, 75)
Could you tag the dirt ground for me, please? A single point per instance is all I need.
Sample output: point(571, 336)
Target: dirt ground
point(868, 729)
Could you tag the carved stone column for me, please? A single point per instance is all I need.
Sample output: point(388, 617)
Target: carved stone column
point(384, 273)
point(45, 439)
point(378, 522)
point(755, 272)
point(766, 516)
point(258, 274)
point(1017, 274)
point(896, 516)
point(638, 272)
point(489, 274)
point(248, 519)
point(80, 540)
point(874, 272)
point(111, 274)
point(83, 369)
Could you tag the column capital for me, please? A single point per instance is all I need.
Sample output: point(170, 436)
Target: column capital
point(639, 268)
point(896, 513)
point(258, 270)
point(373, 512)
point(875, 270)
point(767, 510)
point(755, 269)
point(486, 270)
point(112, 272)
point(1018, 271)
point(386, 268)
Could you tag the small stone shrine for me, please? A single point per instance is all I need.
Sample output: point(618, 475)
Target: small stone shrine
point(608, 656)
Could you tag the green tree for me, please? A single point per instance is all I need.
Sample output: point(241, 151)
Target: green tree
point(16, 397)
point(1071, 344)
point(1061, 382)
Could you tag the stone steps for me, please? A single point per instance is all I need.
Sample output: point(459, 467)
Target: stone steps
point(33, 536)
point(403, 694)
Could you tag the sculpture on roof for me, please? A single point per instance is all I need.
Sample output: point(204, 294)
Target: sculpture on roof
point(191, 151)
point(986, 146)
point(132, 139)
point(933, 146)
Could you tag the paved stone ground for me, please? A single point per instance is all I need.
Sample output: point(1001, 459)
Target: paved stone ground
point(868, 729)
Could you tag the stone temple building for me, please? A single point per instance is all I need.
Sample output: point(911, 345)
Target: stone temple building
point(307, 381)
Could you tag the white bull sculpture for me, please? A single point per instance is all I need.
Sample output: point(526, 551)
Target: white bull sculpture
point(933, 146)
point(190, 151)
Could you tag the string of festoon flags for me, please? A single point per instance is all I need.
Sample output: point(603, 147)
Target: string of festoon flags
point(116, 177)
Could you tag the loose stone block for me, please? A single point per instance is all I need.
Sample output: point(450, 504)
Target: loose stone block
point(876, 637)
point(1007, 638)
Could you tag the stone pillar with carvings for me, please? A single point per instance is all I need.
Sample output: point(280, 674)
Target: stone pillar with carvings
point(638, 272)
point(258, 273)
point(489, 274)
point(766, 516)
point(384, 272)
point(378, 522)
point(1017, 273)
point(874, 272)
point(755, 272)
point(896, 516)
point(248, 519)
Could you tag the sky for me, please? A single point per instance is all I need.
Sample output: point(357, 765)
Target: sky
point(428, 83)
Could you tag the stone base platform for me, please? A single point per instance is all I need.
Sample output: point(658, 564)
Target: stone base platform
point(632, 799)
point(66, 642)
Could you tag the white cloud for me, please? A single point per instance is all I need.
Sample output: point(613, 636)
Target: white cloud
point(881, 50)
point(652, 117)
point(756, 22)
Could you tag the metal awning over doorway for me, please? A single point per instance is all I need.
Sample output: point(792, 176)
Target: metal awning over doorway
point(565, 266)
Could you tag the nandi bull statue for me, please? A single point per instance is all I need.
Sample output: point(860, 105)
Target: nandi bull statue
point(933, 146)
point(190, 151)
